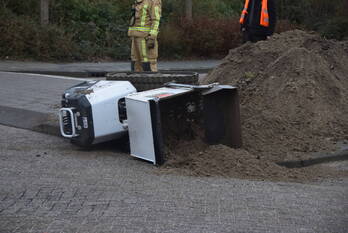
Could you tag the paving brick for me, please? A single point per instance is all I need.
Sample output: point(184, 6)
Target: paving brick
point(69, 190)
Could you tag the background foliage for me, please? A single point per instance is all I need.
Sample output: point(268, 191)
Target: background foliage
point(97, 29)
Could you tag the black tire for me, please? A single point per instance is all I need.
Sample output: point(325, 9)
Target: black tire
point(149, 80)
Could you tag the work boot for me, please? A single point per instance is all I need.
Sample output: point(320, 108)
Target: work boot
point(153, 66)
point(136, 66)
point(133, 66)
point(146, 66)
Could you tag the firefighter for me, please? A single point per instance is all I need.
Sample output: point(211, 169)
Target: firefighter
point(258, 20)
point(143, 31)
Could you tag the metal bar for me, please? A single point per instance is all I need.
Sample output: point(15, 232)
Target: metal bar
point(191, 86)
point(61, 123)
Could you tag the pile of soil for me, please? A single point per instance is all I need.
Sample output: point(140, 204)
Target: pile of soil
point(294, 101)
point(194, 158)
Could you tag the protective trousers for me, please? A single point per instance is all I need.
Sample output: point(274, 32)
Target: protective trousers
point(143, 57)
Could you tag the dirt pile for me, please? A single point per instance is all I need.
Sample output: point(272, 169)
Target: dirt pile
point(196, 159)
point(294, 101)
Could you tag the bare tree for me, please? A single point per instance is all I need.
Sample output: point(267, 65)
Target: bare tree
point(44, 12)
point(4, 3)
point(188, 9)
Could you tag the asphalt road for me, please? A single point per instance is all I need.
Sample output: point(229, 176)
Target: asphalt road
point(31, 101)
point(84, 69)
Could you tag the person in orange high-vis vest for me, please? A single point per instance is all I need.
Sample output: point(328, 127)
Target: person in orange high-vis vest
point(143, 31)
point(258, 20)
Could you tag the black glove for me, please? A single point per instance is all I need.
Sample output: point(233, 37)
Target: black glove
point(150, 43)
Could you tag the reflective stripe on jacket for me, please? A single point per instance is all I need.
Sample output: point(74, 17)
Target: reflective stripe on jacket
point(264, 20)
point(146, 18)
point(244, 12)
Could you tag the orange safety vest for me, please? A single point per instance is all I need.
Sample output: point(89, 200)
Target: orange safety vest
point(264, 21)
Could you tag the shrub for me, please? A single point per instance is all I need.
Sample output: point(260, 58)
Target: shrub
point(170, 42)
point(22, 38)
point(335, 28)
point(285, 25)
point(327, 17)
point(97, 29)
point(203, 37)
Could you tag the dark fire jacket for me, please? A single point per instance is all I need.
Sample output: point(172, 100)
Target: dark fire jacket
point(252, 20)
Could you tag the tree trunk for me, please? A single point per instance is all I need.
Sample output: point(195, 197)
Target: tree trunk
point(188, 9)
point(44, 12)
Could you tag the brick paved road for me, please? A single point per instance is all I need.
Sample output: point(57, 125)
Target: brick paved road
point(47, 185)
